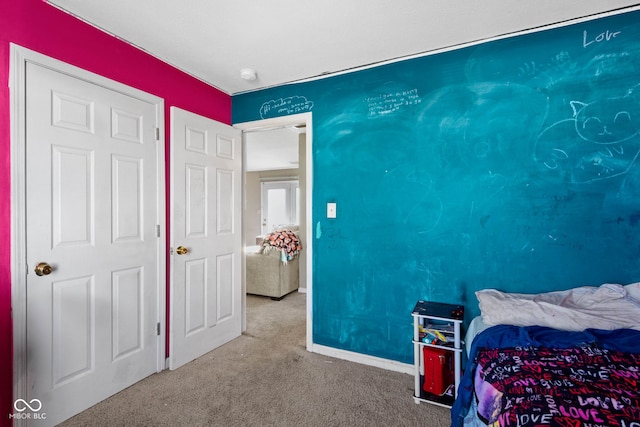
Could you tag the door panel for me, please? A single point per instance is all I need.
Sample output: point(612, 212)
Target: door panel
point(127, 208)
point(91, 213)
point(225, 202)
point(127, 311)
point(225, 286)
point(73, 329)
point(196, 288)
point(196, 203)
point(206, 194)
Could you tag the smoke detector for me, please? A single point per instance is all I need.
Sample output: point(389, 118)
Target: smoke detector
point(248, 74)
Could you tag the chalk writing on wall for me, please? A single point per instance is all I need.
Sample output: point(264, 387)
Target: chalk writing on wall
point(468, 169)
point(285, 106)
point(389, 102)
point(606, 36)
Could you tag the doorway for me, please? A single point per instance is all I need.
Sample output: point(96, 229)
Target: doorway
point(303, 123)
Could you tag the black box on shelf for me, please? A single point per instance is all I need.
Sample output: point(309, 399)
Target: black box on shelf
point(438, 309)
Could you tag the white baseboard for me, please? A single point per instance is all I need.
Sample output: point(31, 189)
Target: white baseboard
point(378, 362)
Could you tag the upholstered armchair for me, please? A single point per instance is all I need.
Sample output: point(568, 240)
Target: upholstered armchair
point(267, 275)
point(272, 268)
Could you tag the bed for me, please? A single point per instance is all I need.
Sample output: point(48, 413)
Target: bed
point(567, 358)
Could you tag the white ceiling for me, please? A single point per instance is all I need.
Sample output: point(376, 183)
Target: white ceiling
point(292, 40)
point(272, 149)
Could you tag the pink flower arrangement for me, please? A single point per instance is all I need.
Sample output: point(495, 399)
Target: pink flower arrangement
point(283, 240)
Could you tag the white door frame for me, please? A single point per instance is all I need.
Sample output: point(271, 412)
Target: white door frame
point(19, 56)
point(265, 124)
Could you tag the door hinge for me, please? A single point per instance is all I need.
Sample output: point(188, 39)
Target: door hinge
point(158, 230)
point(157, 134)
point(158, 328)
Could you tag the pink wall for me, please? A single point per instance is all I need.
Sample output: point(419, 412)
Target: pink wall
point(42, 28)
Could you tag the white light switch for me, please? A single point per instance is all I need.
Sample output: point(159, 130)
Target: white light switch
point(331, 210)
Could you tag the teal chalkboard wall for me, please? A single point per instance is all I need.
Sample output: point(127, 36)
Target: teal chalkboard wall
point(510, 165)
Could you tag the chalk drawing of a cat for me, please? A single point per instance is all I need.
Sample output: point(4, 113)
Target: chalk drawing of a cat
point(600, 141)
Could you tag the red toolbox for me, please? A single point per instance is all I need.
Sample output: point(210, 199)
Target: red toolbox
point(438, 370)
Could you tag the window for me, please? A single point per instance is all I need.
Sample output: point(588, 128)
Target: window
point(280, 204)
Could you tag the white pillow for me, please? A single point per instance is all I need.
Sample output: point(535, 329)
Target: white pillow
point(604, 307)
point(633, 290)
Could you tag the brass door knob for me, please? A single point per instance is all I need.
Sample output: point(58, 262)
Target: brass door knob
point(181, 250)
point(43, 269)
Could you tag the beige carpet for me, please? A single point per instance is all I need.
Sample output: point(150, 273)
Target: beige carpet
point(267, 378)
